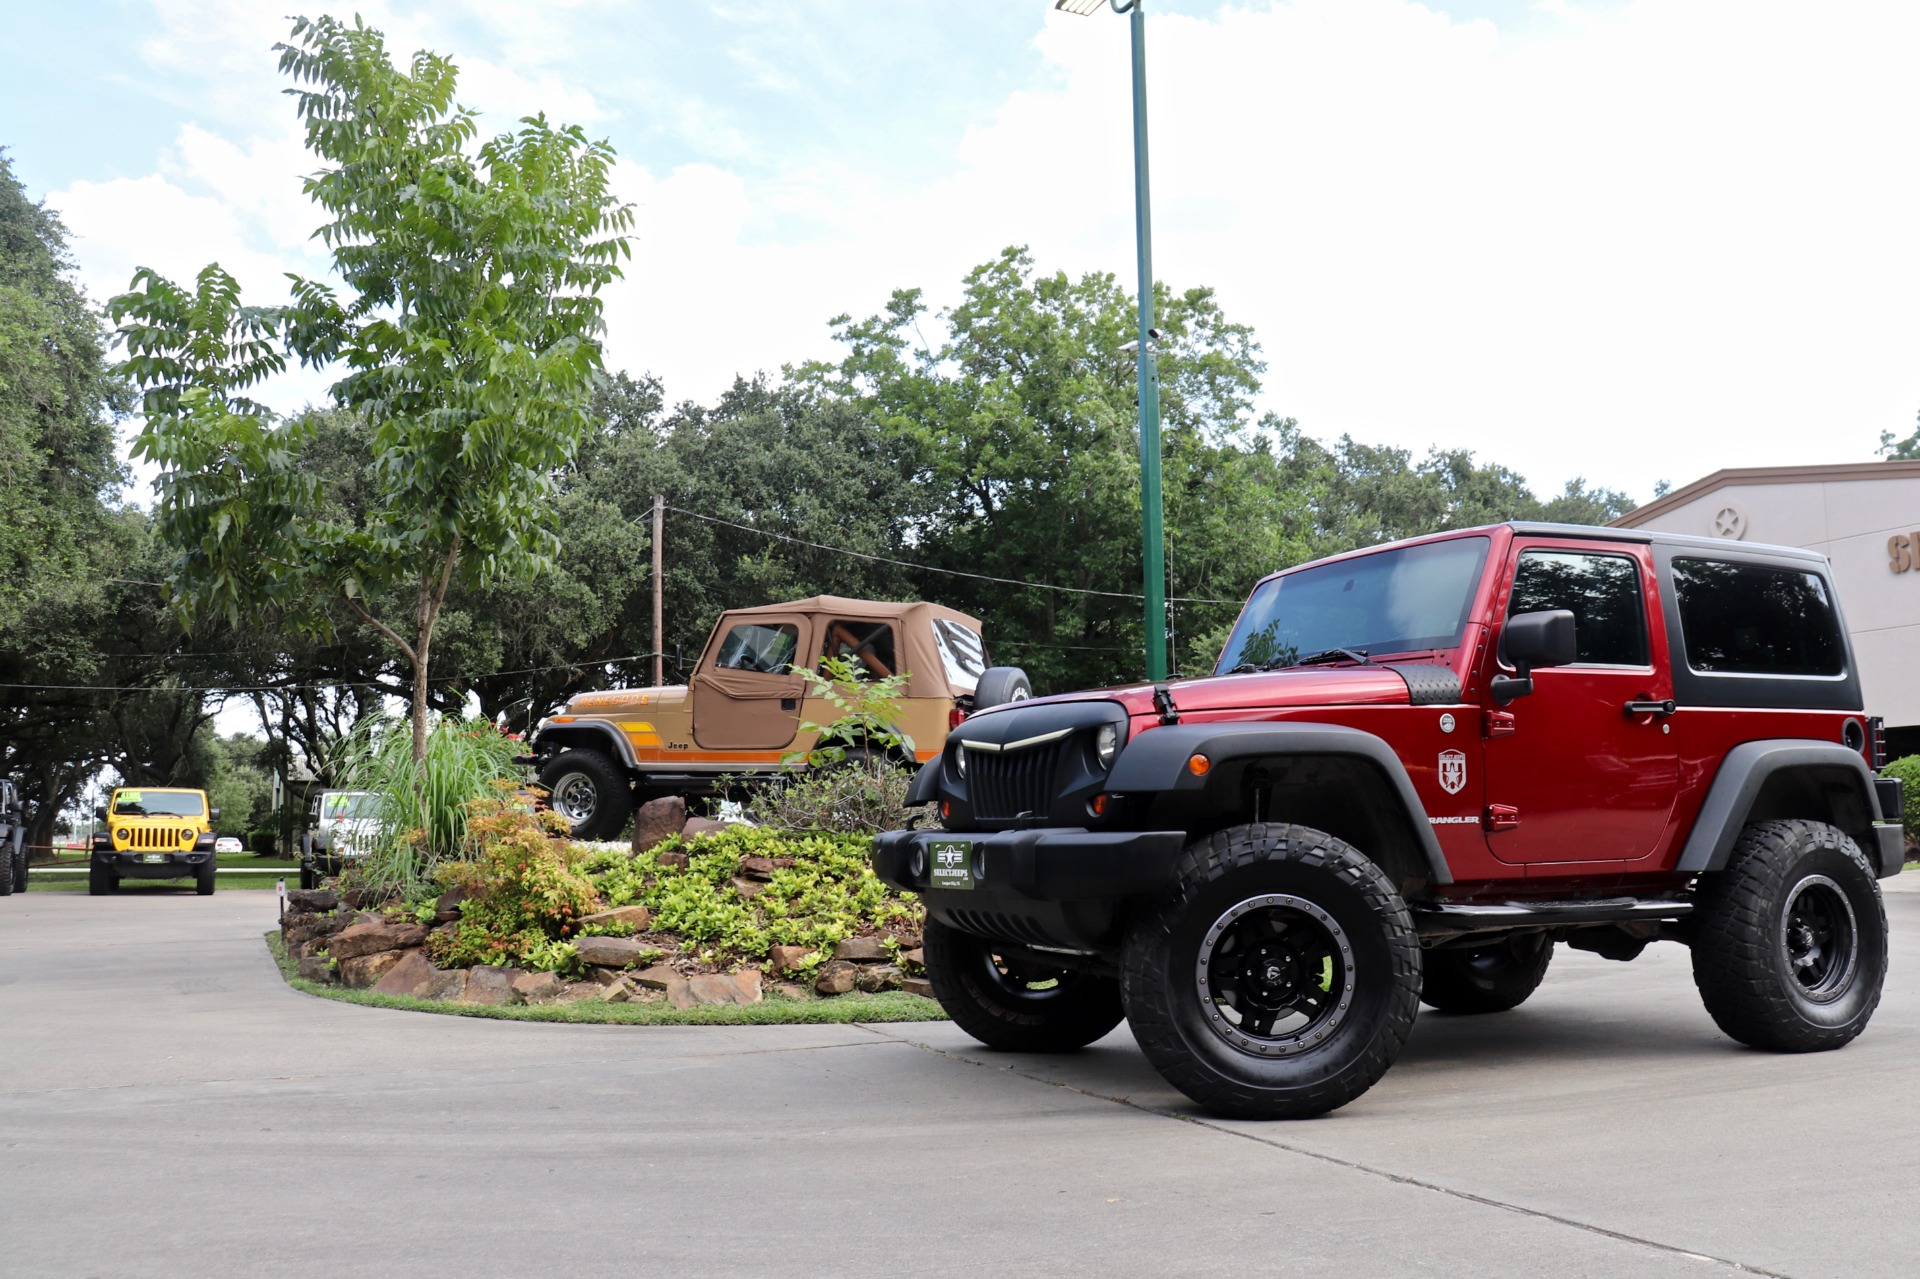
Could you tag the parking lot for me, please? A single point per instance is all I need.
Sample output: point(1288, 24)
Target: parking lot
point(170, 1107)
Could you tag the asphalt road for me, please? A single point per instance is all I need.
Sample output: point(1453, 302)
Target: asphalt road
point(169, 1107)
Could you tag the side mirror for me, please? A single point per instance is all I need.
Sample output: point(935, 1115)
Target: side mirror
point(213, 814)
point(1530, 640)
point(100, 813)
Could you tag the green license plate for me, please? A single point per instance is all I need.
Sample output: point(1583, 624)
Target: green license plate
point(952, 863)
point(153, 858)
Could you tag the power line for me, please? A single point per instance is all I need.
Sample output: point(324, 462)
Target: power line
point(323, 683)
point(928, 568)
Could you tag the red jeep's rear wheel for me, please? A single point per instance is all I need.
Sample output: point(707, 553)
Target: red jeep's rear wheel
point(1790, 940)
point(1281, 978)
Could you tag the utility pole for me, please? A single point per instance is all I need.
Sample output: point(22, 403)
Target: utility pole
point(659, 639)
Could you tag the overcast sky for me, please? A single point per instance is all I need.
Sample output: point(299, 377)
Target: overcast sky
point(1625, 241)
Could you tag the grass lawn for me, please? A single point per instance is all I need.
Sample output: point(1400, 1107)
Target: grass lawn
point(774, 1010)
point(38, 882)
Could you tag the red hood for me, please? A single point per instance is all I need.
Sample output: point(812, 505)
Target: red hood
point(1300, 686)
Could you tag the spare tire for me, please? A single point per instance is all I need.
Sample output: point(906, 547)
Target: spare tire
point(1000, 684)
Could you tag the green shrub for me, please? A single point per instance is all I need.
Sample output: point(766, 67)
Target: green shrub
point(524, 892)
point(1907, 769)
point(424, 808)
point(859, 797)
point(828, 893)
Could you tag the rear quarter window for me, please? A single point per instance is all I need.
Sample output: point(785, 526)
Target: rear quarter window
point(1751, 619)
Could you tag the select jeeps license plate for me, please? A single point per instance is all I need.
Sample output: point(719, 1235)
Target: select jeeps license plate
point(153, 858)
point(952, 863)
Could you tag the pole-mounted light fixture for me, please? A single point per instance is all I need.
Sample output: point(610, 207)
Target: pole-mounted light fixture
point(1152, 538)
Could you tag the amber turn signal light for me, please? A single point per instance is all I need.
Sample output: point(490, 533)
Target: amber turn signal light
point(946, 809)
point(1198, 765)
point(1099, 805)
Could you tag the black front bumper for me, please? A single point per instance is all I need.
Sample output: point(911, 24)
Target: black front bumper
point(1055, 887)
point(178, 865)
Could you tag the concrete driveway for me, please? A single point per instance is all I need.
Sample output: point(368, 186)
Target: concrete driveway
point(169, 1107)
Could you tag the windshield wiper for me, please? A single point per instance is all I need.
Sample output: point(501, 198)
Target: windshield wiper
point(1335, 655)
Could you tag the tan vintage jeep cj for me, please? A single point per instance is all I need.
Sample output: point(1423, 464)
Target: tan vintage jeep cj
point(742, 711)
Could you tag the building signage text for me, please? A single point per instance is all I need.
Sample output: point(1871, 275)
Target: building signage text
point(1903, 552)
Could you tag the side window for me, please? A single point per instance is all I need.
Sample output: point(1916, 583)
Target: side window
point(868, 645)
point(1748, 619)
point(1602, 590)
point(757, 647)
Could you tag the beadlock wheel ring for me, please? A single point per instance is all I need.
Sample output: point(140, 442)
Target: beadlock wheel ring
point(1283, 930)
point(1820, 938)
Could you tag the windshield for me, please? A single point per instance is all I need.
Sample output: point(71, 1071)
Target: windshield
point(1399, 601)
point(157, 803)
point(349, 804)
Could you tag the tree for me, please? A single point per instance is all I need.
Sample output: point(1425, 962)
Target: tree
point(1900, 450)
point(468, 328)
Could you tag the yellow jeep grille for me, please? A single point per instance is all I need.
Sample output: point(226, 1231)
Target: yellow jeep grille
point(157, 837)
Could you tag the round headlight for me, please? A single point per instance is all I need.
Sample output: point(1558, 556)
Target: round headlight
point(1106, 744)
point(960, 759)
point(122, 833)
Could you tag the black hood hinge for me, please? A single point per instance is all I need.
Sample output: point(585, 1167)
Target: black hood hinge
point(1163, 702)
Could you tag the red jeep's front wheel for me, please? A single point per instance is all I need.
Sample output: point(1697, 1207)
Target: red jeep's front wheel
point(1015, 1003)
point(1279, 980)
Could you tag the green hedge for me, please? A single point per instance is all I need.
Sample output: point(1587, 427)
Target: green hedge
point(1907, 770)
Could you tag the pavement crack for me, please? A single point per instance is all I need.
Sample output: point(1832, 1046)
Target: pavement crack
point(1352, 1165)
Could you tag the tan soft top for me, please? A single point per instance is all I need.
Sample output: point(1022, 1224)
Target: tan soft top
point(940, 662)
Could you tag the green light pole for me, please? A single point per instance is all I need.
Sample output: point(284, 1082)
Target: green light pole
point(1152, 537)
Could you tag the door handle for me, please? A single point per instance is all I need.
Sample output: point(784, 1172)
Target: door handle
point(1651, 708)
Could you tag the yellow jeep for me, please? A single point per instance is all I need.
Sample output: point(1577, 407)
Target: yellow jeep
point(153, 832)
point(741, 711)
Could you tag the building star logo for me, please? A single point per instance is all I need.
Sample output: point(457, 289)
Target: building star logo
point(1453, 771)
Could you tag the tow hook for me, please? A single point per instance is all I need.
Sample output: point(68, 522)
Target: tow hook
point(1163, 702)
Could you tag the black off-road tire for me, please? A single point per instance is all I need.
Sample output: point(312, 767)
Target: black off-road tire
point(999, 685)
point(994, 997)
point(7, 864)
point(20, 867)
point(101, 882)
point(591, 791)
point(309, 877)
point(1485, 979)
point(1767, 975)
point(1305, 884)
point(203, 877)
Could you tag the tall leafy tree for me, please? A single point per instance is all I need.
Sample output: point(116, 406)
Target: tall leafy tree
point(467, 322)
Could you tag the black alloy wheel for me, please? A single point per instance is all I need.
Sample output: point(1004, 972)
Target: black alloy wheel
point(1790, 939)
point(1490, 978)
point(1281, 977)
point(1009, 1001)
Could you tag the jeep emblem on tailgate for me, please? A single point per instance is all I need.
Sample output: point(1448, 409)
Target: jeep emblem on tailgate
point(1453, 771)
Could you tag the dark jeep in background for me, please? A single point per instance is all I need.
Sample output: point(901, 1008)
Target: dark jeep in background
point(1417, 768)
point(13, 840)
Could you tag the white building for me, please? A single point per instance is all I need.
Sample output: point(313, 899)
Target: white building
point(1865, 518)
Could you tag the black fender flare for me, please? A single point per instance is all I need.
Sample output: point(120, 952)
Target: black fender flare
point(1156, 761)
point(622, 749)
point(1745, 772)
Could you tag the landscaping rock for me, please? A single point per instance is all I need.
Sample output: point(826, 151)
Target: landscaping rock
point(658, 977)
point(915, 959)
point(617, 991)
point(370, 939)
point(573, 992)
point(918, 986)
point(748, 888)
point(789, 990)
point(861, 950)
point(782, 863)
point(445, 985)
point(757, 867)
point(535, 988)
point(489, 985)
point(364, 971)
point(312, 900)
point(406, 977)
point(678, 860)
point(603, 976)
point(878, 977)
point(608, 952)
point(836, 977)
point(637, 916)
point(724, 988)
point(787, 959)
point(314, 968)
point(657, 820)
point(447, 909)
point(701, 826)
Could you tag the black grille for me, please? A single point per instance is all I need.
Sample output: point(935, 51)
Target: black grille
point(1005, 784)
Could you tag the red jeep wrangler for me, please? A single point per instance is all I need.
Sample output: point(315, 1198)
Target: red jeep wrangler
point(1416, 768)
